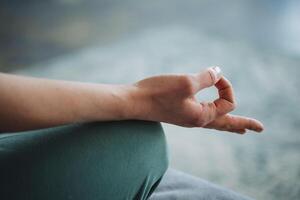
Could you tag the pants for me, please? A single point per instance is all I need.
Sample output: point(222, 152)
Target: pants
point(107, 160)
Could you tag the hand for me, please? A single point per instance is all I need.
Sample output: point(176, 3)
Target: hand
point(171, 99)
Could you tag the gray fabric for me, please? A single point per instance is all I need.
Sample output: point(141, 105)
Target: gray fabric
point(178, 185)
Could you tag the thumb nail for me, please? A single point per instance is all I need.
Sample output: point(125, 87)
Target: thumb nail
point(215, 73)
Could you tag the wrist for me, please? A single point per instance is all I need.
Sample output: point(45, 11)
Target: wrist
point(109, 103)
point(136, 103)
point(119, 102)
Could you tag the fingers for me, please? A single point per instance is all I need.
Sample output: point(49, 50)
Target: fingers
point(225, 103)
point(214, 114)
point(208, 77)
point(245, 123)
point(251, 124)
point(236, 124)
point(225, 89)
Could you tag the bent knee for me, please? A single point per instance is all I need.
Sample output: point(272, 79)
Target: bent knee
point(138, 143)
point(137, 151)
point(121, 153)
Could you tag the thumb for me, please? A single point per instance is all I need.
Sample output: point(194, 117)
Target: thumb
point(208, 77)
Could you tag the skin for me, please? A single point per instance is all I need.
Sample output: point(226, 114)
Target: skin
point(31, 103)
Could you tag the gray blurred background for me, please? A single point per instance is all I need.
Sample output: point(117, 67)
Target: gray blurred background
point(257, 44)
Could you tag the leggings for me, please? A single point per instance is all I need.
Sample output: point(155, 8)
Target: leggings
point(103, 160)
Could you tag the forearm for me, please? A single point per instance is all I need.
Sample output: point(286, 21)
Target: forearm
point(31, 103)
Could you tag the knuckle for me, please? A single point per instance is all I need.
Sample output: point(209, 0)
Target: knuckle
point(228, 127)
point(233, 106)
point(250, 123)
point(230, 84)
point(187, 83)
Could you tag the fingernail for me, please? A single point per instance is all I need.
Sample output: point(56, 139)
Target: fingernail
point(260, 126)
point(216, 73)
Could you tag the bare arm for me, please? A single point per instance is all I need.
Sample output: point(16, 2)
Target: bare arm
point(31, 103)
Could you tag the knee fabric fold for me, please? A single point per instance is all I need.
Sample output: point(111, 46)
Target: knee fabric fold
point(103, 160)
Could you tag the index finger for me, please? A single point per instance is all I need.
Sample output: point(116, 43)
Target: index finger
point(226, 102)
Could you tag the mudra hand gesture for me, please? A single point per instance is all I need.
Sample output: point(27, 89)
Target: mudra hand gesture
point(171, 99)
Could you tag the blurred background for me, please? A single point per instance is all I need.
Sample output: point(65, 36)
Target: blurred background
point(257, 44)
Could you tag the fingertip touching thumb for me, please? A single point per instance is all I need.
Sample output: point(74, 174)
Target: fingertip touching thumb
point(215, 73)
point(209, 77)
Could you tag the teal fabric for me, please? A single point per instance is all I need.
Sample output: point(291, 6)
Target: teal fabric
point(107, 160)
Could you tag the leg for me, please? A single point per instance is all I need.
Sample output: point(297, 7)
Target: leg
point(110, 160)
